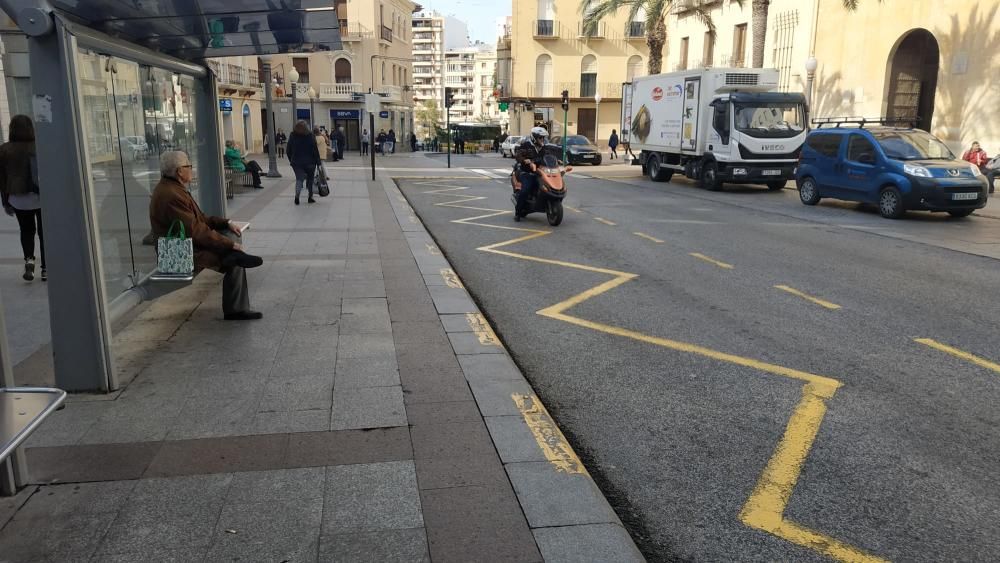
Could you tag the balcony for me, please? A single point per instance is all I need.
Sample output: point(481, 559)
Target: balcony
point(228, 74)
point(390, 92)
point(386, 34)
point(354, 31)
point(599, 33)
point(636, 31)
point(546, 29)
point(339, 92)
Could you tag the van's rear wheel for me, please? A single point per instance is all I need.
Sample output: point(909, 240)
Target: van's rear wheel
point(656, 171)
point(808, 192)
point(710, 177)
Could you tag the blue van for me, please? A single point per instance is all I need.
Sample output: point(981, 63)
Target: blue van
point(895, 168)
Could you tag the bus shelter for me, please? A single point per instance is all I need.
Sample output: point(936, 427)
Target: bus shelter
point(114, 84)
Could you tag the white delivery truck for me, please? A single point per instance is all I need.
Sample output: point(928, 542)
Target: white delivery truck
point(715, 125)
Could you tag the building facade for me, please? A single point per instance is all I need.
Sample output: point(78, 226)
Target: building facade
point(376, 57)
point(428, 65)
point(546, 52)
point(930, 61)
point(486, 106)
point(460, 76)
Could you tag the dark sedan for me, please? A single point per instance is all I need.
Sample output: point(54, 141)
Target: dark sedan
point(579, 150)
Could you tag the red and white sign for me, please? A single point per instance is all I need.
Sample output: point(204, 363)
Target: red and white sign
point(657, 94)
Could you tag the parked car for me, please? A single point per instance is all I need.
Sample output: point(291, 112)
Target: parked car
point(579, 149)
point(134, 147)
point(509, 145)
point(898, 169)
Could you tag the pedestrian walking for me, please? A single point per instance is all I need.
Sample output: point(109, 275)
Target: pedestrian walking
point(413, 142)
point(281, 140)
point(341, 138)
point(19, 190)
point(613, 144)
point(303, 154)
point(380, 142)
point(390, 141)
point(627, 150)
point(321, 147)
point(364, 141)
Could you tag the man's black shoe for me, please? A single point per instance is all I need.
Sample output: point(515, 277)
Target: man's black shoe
point(244, 316)
point(241, 259)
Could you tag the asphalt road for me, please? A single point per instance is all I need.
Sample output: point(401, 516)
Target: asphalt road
point(699, 391)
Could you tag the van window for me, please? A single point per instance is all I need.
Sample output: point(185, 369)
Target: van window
point(825, 144)
point(720, 121)
point(857, 146)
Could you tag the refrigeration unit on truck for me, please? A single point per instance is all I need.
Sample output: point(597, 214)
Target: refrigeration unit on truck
point(715, 125)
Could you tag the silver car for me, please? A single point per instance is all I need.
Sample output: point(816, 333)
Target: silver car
point(508, 146)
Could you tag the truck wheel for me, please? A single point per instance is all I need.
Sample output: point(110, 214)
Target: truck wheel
point(775, 186)
point(710, 177)
point(656, 172)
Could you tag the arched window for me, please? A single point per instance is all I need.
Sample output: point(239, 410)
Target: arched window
point(383, 72)
point(543, 76)
point(342, 71)
point(634, 67)
point(588, 76)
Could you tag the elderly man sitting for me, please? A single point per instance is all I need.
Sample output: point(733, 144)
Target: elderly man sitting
point(214, 238)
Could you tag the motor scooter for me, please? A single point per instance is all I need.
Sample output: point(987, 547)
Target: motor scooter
point(551, 190)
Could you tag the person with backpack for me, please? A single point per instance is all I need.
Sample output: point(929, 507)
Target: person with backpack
point(19, 190)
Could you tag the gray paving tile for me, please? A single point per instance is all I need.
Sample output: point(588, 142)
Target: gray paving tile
point(366, 372)
point(471, 470)
point(175, 493)
point(456, 323)
point(368, 322)
point(370, 497)
point(281, 485)
point(145, 528)
point(56, 502)
point(220, 455)
point(449, 301)
point(494, 396)
point(421, 387)
point(513, 439)
point(553, 498)
point(278, 422)
point(434, 279)
point(271, 531)
point(99, 462)
point(468, 343)
point(370, 407)
point(299, 393)
point(70, 425)
point(442, 413)
point(160, 555)
point(221, 416)
point(457, 439)
point(364, 288)
point(463, 523)
point(63, 539)
point(367, 346)
point(490, 367)
point(400, 546)
point(349, 447)
point(317, 315)
point(591, 543)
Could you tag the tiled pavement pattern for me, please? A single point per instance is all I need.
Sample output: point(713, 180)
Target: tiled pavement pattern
point(342, 427)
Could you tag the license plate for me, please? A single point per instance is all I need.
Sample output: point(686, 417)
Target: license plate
point(771, 173)
point(965, 196)
point(588, 156)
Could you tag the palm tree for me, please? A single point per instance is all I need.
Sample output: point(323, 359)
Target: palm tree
point(657, 13)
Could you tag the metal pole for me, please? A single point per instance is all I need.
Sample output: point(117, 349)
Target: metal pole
point(371, 149)
point(447, 126)
point(13, 471)
point(295, 104)
point(312, 112)
point(565, 131)
point(272, 154)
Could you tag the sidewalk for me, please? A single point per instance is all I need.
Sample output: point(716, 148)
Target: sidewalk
point(372, 415)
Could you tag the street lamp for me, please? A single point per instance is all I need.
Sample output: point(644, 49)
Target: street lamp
point(272, 160)
point(597, 118)
point(811, 65)
point(312, 106)
point(293, 77)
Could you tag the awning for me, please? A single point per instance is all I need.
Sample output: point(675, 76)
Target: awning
point(197, 29)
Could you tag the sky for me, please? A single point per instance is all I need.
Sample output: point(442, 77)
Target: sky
point(480, 15)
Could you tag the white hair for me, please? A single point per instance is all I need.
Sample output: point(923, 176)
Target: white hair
point(171, 161)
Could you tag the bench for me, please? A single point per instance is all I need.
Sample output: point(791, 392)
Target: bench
point(22, 411)
point(237, 182)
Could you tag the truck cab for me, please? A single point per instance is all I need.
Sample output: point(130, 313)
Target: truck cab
point(754, 137)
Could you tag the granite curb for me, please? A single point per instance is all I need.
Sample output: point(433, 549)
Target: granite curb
point(569, 517)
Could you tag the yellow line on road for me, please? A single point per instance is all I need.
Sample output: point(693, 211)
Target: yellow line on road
point(573, 209)
point(816, 300)
point(765, 508)
point(482, 329)
point(981, 362)
point(647, 237)
point(451, 279)
point(712, 261)
point(551, 441)
point(432, 250)
point(605, 221)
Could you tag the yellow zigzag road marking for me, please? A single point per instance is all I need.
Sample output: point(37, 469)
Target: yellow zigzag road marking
point(981, 362)
point(765, 508)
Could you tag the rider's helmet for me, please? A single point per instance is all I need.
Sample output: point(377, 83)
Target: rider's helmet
point(538, 134)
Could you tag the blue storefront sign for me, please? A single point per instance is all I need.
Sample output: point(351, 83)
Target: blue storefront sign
point(383, 114)
point(345, 114)
point(226, 104)
point(301, 113)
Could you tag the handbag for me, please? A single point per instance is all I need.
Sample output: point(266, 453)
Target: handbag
point(322, 186)
point(175, 252)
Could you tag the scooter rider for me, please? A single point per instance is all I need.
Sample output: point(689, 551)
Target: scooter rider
point(528, 152)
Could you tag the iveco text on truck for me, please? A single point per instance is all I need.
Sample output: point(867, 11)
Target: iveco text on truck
point(715, 125)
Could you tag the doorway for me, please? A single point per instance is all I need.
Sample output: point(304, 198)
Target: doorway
point(586, 122)
point(350, 131)
point(912, 83)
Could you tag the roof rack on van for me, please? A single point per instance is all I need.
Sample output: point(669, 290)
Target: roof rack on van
point(862, 121)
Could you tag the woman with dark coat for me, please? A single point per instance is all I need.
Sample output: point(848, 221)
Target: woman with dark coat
point(20, 192)
point(304, 157)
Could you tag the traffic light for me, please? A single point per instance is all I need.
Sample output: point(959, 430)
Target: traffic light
point(565, 99)
point(449, 97)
